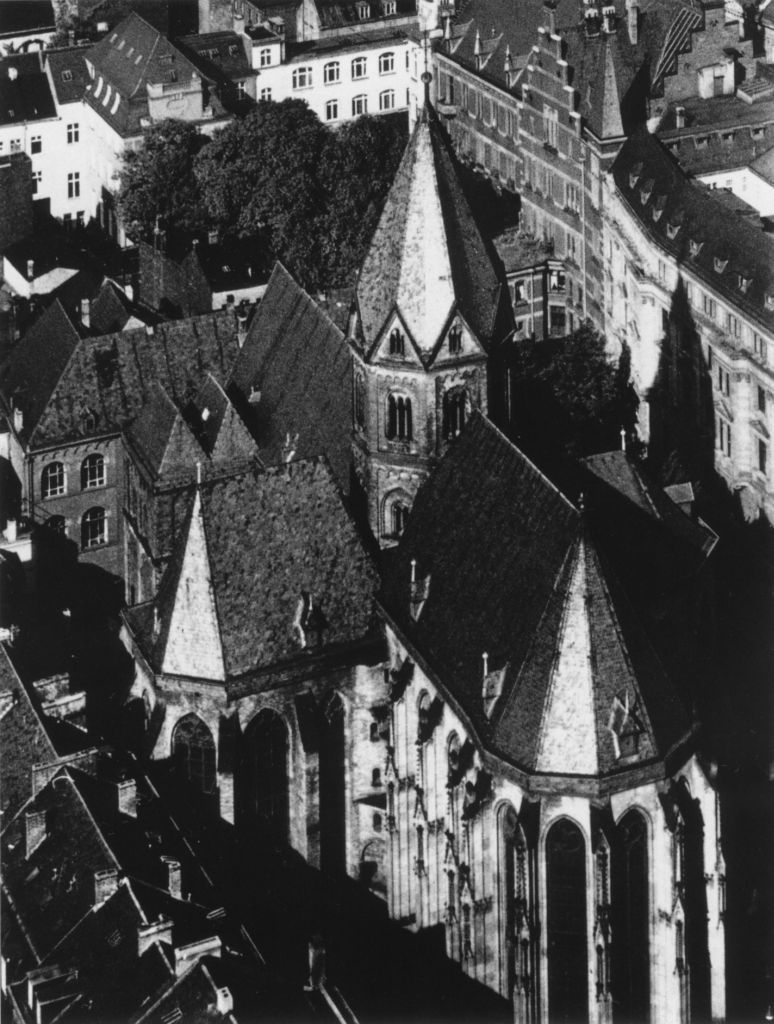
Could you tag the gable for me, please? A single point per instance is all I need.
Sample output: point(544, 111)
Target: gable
point(384, 349)
point(457, 342)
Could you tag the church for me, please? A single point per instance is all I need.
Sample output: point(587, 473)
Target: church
point(477, 716)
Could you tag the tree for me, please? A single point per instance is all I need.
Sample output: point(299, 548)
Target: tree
point(570, 399)
point(357, 170)
point(260, 178)
point(158, 181)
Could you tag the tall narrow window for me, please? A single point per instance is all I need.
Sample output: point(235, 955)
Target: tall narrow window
point(73, 185)
point(359, 105)
point(359, 401)
point(566, 923)
point(73, 133)
point(331, 72)
point(455, 341)
point(454, 403)
point(52, 480)
point(93, 472)
point(93, 528)
point(631, 920)
point(387, 99)
point(386, 63)
point(264, 774)
point(399, 425)
point(399, 518)
point(397, 343)
point(193, 750)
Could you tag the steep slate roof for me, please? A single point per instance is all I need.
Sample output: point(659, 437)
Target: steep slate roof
point(427, 256)
point(53, 889)
point(106, 380)
point(23, 740)
point(28, 96)
point(514, 572)
point(37, 363)
point(217, 425)
point(254, 544)
point(21, 16)
point(69, 76)
point(744, 254)
point(298, 360)
point(161, 437)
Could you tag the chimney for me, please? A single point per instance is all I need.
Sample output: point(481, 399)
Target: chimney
point(224, 1001)
point(679, 117)
point(174, 877)
point(150, 330)
point(159, 931)
point(18, 418)
point(549, 15)
point(105, 884)
point(187, 955)
point(633, 21)
point(34, 831)
point(127, 797)
point(30, 270)
point(608, 19)
point(13, 74)
point(85, 312)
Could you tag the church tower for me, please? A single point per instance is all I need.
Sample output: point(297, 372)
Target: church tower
point(429, 309)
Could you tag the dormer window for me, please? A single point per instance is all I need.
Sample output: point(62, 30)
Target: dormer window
point(694, 247)
point(672, 229)
point(363, 11)
point(744, 284)
point(770, 300)
point(658, 207)
point(646, 190)
point(634, 175)
point(389, 7)
point(625, 726)
point(719, 264)
point(397, 343)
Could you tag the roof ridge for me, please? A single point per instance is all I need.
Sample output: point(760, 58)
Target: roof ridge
point(477, 413)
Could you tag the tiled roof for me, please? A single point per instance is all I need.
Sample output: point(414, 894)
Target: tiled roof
point(427, 256)
point(160, 436)
point(111, 309)
point(217, 425)
point(25, 94)
point(339, 14)
point(269, 537)
point(217, 53)
point(617, 471)
point(299, 363)
point(68, 73)
point(107, 379)
point(31, 375)
point(710, 240)
point(514, 574)
point(23, 740)
point(53, 888)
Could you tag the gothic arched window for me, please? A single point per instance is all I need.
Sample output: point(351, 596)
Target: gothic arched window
point(566, 924)
point(265, 773)
point(359, 401)
point(193, 750)
point(455, 340)
point(454, 411)
point(631, 919)
point(399, 425)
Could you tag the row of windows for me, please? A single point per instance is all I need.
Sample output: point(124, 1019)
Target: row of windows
point(734, 327)
point(723, 442)
point(53, 480)
point(36, 141)
point(360, 105)
point(302, 77)
point(94, 527)
point(478, 104)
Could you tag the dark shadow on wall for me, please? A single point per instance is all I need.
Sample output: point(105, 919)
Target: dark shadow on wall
point(682, 414)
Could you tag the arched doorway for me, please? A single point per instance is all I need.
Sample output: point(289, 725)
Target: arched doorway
point(631, 927)
point(264, 776)
point(568, 991)
point(193, 752)
point(332, 786)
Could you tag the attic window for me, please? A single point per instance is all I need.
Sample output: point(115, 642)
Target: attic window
point(129, 52)
point(646, 191)
point(770, 300)
point(205, 415)
point(363, 11)
point(757, 133)
point(658, 207)
point(744, 283)
point(634, 175)
point(233, 50)
point(67, 75)
point(701, 141)
point(138, 58)
point(672, 229)
point(397, 343)
point(694, 247)
point(165, 58)
point(121, 44)
point(728, 137)
point(719, 264)
point(171, 76)
point(113, 38)
point(116, 101)
point(625, 725)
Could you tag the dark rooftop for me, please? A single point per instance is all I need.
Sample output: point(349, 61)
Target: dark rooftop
point(68, 73)
point(17, 17)
point(293, 377)
point(25, 94)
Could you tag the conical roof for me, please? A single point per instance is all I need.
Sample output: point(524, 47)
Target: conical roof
point(427, 255)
